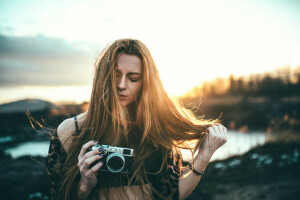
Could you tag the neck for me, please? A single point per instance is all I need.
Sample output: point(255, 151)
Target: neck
point(132, 112)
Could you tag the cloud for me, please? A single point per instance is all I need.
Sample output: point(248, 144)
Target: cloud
point(44, 61)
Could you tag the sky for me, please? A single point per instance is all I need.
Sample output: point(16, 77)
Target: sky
point(48, 48)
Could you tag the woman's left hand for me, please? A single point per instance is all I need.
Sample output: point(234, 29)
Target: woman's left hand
point(216, 137)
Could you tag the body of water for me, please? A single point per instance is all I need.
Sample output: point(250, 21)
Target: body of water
point(237, 144)
point(29, 148)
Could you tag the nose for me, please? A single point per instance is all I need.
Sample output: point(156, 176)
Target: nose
point(122, 85)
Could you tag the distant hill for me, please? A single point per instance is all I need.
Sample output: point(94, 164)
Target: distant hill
point(21, 106)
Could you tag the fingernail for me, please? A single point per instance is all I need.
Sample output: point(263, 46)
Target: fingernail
point(100, 149)
point(96, 141)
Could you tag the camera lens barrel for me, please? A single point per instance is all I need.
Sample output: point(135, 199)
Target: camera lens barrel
point(115, 162)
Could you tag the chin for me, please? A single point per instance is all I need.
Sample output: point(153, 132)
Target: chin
point(127, 104)
point(124, 103)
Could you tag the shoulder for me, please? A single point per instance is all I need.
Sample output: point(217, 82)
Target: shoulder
point(66, 130)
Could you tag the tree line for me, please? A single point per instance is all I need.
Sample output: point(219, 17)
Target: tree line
point(278, 83)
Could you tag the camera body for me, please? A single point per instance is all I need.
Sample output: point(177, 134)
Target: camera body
point(115, 159)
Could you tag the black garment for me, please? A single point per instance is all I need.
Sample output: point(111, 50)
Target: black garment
point(165, 184)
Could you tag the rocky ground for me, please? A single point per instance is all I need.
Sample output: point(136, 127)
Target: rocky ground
point(23, 178)
point(267, 172)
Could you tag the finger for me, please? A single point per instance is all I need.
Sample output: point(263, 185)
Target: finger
point(96, 168)
point(90, 154)
point(85, 147)
point(89, 161)
point(221, 131)
point(225, 131)
point(211, 130)
point(216, 129)
point(220, 127)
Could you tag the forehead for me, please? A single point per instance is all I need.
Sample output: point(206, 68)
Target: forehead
point(129, 63)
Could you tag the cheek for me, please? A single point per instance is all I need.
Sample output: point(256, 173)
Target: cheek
point(137, 88)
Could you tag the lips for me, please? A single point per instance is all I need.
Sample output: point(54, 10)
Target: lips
point(122, 95)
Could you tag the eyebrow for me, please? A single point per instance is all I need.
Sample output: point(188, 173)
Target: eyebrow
point(131, 73)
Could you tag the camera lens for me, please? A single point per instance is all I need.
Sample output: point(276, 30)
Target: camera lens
point(115, 162)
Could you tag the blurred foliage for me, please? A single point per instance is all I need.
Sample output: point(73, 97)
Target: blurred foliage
point(281, 82)
point(268, 102)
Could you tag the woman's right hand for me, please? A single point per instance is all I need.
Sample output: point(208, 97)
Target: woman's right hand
point(88, 178)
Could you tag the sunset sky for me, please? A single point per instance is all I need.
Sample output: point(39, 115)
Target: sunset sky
point(48, 48)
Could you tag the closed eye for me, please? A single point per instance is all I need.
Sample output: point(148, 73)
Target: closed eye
point(134, 80)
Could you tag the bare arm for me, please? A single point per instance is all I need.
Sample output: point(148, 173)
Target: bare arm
point(85, 158)
point(216, 137)
point(83, 192)
point(188, 184)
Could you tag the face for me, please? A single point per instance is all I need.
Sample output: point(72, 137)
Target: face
point(129, 78)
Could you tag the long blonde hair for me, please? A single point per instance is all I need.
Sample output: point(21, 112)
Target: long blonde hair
point(159, 121)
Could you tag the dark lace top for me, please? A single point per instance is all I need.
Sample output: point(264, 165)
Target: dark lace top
point(165, 183)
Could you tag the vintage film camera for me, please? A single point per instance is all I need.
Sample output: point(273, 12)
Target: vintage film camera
point(115, 159)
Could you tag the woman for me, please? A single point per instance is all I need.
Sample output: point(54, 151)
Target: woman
point(130, 108)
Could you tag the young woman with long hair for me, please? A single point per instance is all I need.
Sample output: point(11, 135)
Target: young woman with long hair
point(129, 108)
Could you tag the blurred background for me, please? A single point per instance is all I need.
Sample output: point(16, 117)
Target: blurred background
point(238, 61)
